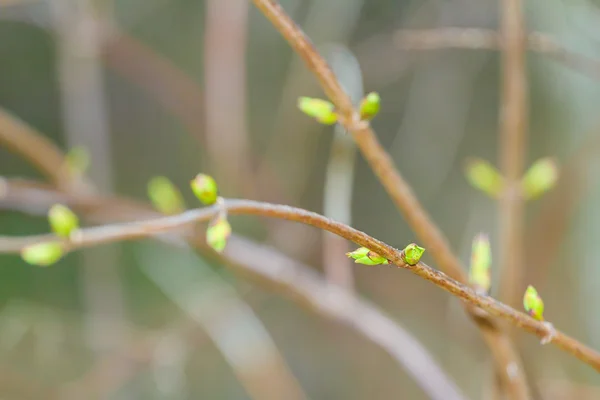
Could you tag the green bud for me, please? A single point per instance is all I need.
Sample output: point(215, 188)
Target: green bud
point(42, 254)
point(165, 197)
point(484, 176)
point(412, 254)
point(481, 261)
point(205, 189)
point(533, 303)
point(369, 106)
point(362, 255)
point(62, 220)
point(321, 110)
point(540, 177)
point(77, 160)
point(217, 233)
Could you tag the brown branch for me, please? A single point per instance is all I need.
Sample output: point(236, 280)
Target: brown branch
point(270, 267)
point(47, 158)
point(485, 39)
point(142, 229)
point(505, 356)
point(512, 149)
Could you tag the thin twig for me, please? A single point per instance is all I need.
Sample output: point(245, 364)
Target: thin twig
point(225, 40)
point(148, 228)
point(270, 267)
point(485, 39)
point(505, 356)
point(512, 150)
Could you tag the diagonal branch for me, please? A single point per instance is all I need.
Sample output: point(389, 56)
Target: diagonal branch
point(142, 229)
point(505, 357)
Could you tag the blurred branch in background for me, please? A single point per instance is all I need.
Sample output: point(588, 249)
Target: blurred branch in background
point(512, 147)
point(78, 35)
point(339, 174)
point(483, 39)
point(231, 324)
point(225, 42)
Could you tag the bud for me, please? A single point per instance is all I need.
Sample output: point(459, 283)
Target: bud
point(77, 160)
point(165, 197)
point(217, 233)
point(533, 303)
point(62, 220)
point(321, 110)
point(42, 254)
point(481, 260)
point(412, 254)
point(205, 189)
point(484, 176)
point(369, 106)
point(540, 177)
point(362, 255)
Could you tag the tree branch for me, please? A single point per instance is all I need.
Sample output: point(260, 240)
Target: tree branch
point(505, 357)
point(141, 229)
point(512, 146)
point(270, 267)
point(478, 39)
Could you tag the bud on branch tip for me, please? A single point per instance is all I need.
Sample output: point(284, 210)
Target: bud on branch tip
point(205, 189)
point(165, 197)
point(412, 254)
point(481, 261)
point(321, 110)
point(217, 233)
point(484, 176)
point(540, 177)
point(42, 254)
point(77, 160)
point(369, 106)
point(533, 303)
point(62, 220)
point(362, 255)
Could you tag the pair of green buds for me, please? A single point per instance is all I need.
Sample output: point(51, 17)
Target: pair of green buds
point(324, 111)
point(410, 255)
point(63, 222)
point(167, 199)
point(479, 276)
point(539, 178)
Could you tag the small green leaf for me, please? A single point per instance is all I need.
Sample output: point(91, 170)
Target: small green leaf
point(369, 106)
point(42, 254)
point(217, 233)
point(412, 254)
point(321, 110)
point(540, 177)
point(77, 160)
point(205, 189)
point(533, 303)
point(62, 220)
point(481, 261)
point(484, 176)
point(362, 255)
point(165, 196)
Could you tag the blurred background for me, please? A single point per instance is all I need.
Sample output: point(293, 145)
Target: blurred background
point(173, 88)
